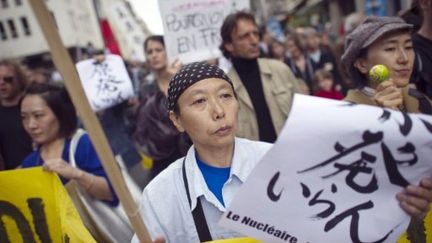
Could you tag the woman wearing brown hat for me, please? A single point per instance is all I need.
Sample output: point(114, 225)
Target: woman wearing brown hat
point(387, 41)
point(202, 103)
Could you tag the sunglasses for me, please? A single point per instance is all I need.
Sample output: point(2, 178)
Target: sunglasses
point(8, 79)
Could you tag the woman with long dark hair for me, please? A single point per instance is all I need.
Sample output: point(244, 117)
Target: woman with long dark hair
point(50, 119)
point(155, 135)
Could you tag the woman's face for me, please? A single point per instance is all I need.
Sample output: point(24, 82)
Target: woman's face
point(208, 113)
point(39, 120)
point(292, 48)
point(394, 51)
point(277, 49)
point(156, 55)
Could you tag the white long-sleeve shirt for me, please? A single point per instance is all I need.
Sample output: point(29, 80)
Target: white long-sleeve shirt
point(164, 205)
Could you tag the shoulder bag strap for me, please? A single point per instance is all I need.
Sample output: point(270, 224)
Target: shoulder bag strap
point(197, 213)
point(73, 145)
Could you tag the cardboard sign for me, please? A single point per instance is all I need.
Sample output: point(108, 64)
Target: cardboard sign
point(192, 28)
point(35, 207)
point(333, 175)
point(105, 84)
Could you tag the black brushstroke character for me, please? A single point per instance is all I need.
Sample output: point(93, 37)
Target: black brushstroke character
point(407, 125)
point(355, 168)
point(108, 85)
point(316, 200)
point(270, 188)
point(391, 164)
point(368, 139)
point(354, 225)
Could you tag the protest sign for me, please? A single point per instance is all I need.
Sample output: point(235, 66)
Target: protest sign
point(333, 175)
point(192, 28)
point(35, 207)
point(105, 83)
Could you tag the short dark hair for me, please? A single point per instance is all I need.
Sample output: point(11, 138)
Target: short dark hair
point(229, 25)
point(296, 38)
point(157, 38)
point(413, 15)
point(359, 78)
point(20, 76)
point(321, 74)
point(58, 100)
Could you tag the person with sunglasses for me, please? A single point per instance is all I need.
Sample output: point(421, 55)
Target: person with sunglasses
point(15, 143)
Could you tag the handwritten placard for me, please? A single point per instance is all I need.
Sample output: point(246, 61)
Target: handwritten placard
point(105, 83)
point(333, 174)
point(192, 27)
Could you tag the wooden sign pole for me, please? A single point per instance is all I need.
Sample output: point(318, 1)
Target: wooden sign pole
point(66, 67)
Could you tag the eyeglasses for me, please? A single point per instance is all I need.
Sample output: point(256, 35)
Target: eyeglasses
point(8, 79)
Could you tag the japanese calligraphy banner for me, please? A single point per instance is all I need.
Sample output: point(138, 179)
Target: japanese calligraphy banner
point(192, 27)
point(105, 83)
point(35, 207)
point(333, 175)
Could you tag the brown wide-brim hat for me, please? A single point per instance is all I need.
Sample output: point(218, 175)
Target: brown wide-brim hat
point(369, 31)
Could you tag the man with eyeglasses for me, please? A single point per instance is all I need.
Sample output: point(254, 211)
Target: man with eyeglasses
point(15, 143)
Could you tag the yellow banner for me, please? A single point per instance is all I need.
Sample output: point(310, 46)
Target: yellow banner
point(422, 232)
point(35, 207)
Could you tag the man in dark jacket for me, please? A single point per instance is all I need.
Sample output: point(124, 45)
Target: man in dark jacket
point(15, 143)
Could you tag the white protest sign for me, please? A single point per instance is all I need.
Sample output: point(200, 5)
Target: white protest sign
point(192, 27)
point(105, 84)
point(333, 174)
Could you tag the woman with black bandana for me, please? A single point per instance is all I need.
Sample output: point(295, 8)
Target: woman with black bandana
point(202, 103)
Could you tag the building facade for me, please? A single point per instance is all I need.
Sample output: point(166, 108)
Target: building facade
point(21, 34)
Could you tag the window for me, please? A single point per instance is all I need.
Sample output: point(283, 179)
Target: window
point(12, 28)
point(4, 3)
point(3, 34)
point(25, 26)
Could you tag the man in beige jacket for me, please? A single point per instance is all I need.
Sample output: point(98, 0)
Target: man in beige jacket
point(265, 87)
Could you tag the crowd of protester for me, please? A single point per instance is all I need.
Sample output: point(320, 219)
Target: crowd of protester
point(37, 119)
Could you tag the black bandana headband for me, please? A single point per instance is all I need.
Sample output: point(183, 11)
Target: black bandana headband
point(190, 74)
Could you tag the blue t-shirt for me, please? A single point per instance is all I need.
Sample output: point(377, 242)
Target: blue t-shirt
point(214, 177)
point(85, 157)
